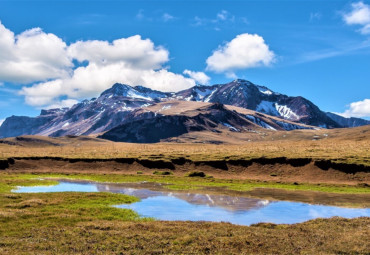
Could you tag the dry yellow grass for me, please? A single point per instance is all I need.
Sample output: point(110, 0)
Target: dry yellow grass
point(342, 145)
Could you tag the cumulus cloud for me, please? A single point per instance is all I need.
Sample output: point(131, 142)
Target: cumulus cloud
point(133, 51)
point(47, 62)
point(199, 77)
point(32, 56)
point(358, 109)
point(359, 15)
point(244, 51)
point(89, 81)
point(1, 122)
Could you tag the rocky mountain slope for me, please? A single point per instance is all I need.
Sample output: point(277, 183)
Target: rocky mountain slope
point(175, 118)
point(245, 94)
point(347, 122)
point(117, 106)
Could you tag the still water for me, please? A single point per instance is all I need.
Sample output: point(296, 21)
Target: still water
point(160, 203)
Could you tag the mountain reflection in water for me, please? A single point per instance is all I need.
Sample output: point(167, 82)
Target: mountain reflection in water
point(204, 205)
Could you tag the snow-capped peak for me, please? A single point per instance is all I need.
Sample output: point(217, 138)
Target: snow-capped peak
point(242, 81)
point(139, 92)
point(265, 90)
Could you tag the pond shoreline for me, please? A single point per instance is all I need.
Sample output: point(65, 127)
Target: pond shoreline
point(361, 200)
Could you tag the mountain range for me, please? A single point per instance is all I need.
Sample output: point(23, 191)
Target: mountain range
point(140, 114)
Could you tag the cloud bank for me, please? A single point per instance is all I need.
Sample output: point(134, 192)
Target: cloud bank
point(358, 109)
point(244, 51)
point(359, 15)
point(32, 56)
point(84, 68)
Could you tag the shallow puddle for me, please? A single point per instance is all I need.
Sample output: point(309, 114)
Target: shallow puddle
point(163, 204)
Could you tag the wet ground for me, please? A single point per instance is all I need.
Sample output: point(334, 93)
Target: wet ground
point(217, 205)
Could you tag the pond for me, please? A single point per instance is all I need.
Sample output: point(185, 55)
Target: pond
point(160, 203)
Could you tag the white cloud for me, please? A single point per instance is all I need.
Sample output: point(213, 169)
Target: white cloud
point(199, 77)
point(91, 80)
point(133, 51)
point(244, 51)
point(365, 29)
point(358, 109)
point(67, 103)
point(359, 15)
point(222, 19)
point(224, 15)
point(47, 62)
point(32, 56)
point(167, 17)
point(1, 122)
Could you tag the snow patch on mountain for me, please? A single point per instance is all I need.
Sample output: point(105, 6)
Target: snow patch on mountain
point(138, 92)
point(267, 107)
point(208, 98)
point(232, 128)
point(200, 93)
point(290, 126)
point(286, 112)
point(259, 122)
point(264, 90)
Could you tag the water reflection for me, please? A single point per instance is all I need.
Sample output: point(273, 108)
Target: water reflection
point(162, 204)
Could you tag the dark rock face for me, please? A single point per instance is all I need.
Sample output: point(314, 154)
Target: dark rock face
point(141, 127)
point(115, 107)
point(148, 130)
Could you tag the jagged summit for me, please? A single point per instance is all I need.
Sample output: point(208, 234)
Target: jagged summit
point(117, 89)
point(243, 81)
point(124, 90)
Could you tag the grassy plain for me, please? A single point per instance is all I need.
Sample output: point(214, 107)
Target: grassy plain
point(85, 223)
point(340, 145)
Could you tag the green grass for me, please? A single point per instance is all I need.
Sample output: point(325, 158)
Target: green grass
point(87, 223)
point(10, 181)
point(175, 182)
point(77, 205)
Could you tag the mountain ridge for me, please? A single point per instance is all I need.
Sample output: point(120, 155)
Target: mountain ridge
point(115, 106)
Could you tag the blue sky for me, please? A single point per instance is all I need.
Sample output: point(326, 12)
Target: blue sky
point(316, 49)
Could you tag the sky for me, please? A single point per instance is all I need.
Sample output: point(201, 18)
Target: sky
point(56, 53)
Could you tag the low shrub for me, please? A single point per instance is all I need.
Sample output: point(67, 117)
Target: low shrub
point(162, 173)
point(196, 174)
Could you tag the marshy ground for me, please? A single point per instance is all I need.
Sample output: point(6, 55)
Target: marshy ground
point(332, 171)
point(84, 223)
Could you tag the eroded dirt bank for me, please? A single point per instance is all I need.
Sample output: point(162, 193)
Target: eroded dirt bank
point(265, 169)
